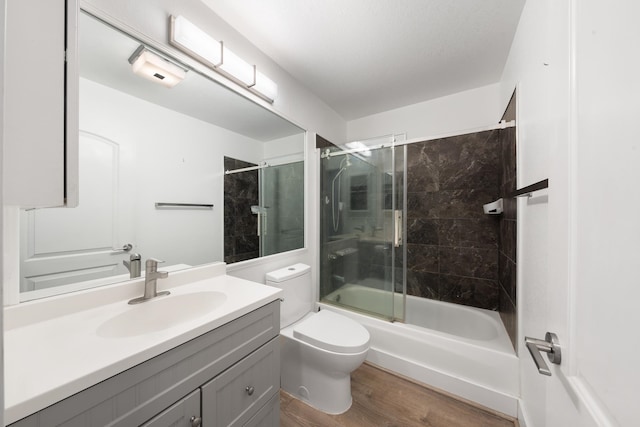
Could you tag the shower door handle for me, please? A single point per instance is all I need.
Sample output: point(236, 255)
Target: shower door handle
point(397, 228)
point(259, 224)
point(550, 345)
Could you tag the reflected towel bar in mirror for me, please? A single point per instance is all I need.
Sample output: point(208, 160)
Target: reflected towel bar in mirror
point(161, 205)
point(250, 168)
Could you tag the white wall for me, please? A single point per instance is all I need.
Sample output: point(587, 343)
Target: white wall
point(525, 68)
point(167, 157)
point(606, 159)
point(577, 109)
point(2, 107)
point(284, 150)
point(470, 109)
point(538, 63)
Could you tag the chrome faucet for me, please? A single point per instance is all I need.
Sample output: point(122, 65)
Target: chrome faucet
point(151, 276)
point(133, 265)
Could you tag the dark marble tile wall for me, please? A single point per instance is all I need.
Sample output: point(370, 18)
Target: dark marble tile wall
point(507, 266)
point(452, 246)
point(240, 225)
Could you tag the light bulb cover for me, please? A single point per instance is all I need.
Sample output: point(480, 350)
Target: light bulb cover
point(191, 40)
point(265, 86)
point(194, 42)
point(152, 67)
point(235, 66)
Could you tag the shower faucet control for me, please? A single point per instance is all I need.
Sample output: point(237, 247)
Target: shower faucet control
point(374, 229)
point(151, 276)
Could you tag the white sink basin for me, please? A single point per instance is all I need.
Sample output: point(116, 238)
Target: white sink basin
point(161, 313)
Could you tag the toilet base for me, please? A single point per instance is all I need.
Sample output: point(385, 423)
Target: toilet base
point(331, 396)
point(318, 377)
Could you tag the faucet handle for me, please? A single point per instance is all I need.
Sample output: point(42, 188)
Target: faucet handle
point(151, 264)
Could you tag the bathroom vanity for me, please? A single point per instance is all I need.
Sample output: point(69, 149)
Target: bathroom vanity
point(221, 367)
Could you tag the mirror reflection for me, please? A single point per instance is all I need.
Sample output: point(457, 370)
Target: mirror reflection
point(153, 181)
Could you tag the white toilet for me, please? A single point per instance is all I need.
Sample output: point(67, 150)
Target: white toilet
point(319, 350)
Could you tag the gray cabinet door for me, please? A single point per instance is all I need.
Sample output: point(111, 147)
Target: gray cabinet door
point(234, 396)
point(183, 413)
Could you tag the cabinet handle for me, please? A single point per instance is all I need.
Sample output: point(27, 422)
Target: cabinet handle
point(195, 421)
point(249, 390)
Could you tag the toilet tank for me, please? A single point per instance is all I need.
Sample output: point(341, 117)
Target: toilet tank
point(295, 281)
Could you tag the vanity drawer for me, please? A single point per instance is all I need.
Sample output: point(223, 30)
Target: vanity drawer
point(233, 397)
point(181, 414)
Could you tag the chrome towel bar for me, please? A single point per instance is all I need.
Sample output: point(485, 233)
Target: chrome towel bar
point(526, 191)
point(184, 205)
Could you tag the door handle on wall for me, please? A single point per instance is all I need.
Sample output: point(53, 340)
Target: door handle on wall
point(550, 345)
point(125, 248)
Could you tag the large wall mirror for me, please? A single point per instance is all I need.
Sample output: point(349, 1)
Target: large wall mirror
point(190, 174)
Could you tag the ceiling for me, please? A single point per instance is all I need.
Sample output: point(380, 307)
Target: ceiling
point(366, 56)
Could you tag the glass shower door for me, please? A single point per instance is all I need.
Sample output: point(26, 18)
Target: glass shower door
point(281, 209)
point(362, 249)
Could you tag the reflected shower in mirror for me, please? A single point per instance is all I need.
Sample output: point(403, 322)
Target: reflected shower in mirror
point(152, 173)
point(263, 208)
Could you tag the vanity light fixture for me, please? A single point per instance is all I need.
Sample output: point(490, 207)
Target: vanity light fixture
point(265, 86)
point(235, 66)
point(152, 67)
point(195, 42)
point(215, 55)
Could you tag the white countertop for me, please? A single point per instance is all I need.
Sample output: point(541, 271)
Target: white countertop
point(52, 350)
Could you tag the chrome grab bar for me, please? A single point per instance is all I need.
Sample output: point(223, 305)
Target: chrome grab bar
point(550, 345)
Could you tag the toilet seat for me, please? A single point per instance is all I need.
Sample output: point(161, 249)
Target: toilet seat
point(333, 332)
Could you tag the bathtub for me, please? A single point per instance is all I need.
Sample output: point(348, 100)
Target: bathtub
point(459, 349)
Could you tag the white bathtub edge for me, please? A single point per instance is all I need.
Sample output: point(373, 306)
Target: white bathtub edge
point(492, 399)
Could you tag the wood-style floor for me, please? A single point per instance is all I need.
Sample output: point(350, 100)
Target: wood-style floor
point(383, 399)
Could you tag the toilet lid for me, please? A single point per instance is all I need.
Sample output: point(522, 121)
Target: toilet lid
point(333, 332)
